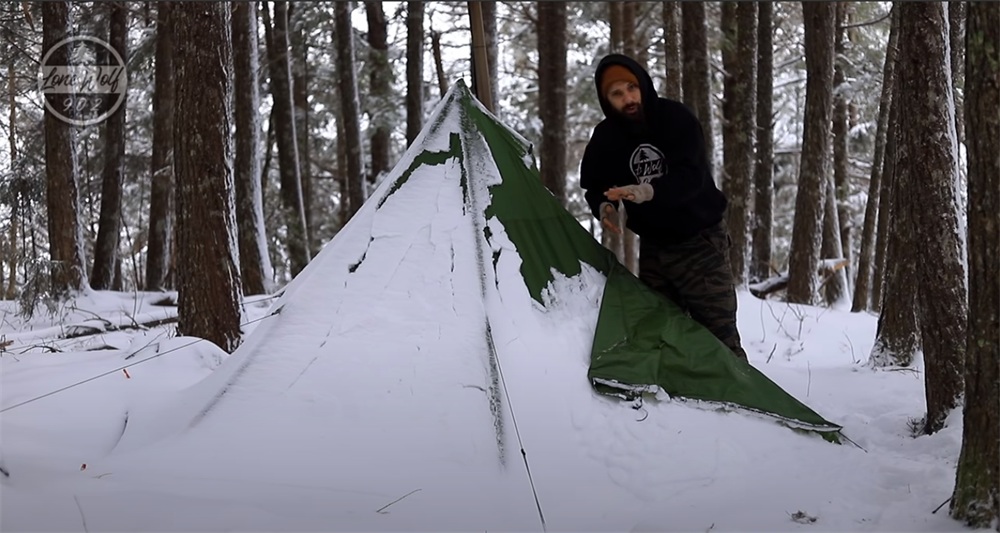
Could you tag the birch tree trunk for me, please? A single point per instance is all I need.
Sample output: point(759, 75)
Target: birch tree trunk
point(349, 107)
point(255, 264)
point(161, 196)
point(61, 179)
point(763, 175)
point(551, 33)
point(106, 255)
point(208, 275)
point(976, 500)
point(807, 233)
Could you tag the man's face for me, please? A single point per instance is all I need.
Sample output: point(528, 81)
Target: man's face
point(626, 98)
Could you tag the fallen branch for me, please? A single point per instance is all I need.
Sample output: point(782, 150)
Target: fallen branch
point(826, 268)
point(84, 330)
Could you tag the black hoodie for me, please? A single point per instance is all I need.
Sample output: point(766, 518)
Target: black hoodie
point(666, 149)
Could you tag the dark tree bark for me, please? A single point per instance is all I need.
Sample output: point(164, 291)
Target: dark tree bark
point(161, 196)
point(492, 46)
point(488, 12)
point(807, 232)
point(673, 58)
point(614, 241)
point(927, 129)
point(629, 35)
point(109, 227)
point(381, 99)
point(763, 175)
point(838, 227)
point(976, 500)
point(551, 33)
point(863, 286)
point(208, 276)
point(293, 204)
point(615, 22)
point(299, 64)
point(956, 34)
point(439, 62)
point(414, 70)
point(696, 81)
point(62, 187)
point(740, 123)
point(255, 265)
point(896, 340)
point(349, 108)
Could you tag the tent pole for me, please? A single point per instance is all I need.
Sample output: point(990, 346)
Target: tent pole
point(479, 57)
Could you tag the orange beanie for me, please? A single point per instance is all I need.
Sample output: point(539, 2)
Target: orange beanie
point(614, 73)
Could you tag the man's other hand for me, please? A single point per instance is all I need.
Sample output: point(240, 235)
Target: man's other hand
point(633, 193)
point(609, 218)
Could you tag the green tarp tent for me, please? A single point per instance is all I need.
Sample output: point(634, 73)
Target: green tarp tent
point(643, 342)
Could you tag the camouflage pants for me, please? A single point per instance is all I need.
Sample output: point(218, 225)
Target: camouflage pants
point(696, 275)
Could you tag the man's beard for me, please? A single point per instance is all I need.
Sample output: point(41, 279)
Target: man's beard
point(632, 112)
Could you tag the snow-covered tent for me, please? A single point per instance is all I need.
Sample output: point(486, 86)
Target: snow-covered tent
point(438, 367)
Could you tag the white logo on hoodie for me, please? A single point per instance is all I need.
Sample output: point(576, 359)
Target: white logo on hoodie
point(647, 163)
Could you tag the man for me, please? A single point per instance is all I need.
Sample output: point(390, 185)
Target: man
point(649, 154)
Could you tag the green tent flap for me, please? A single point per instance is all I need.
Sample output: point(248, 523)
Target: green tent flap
point(643, 342)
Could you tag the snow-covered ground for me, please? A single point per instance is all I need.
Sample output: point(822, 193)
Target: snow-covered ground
point(323, 457)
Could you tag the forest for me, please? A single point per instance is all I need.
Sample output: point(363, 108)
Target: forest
point(219, 146)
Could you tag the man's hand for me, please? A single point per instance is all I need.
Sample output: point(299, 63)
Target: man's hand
point(609, 218)
point(633, 193)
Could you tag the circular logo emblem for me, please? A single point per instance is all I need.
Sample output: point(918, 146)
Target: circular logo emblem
point(82, 80)
point(647, 163)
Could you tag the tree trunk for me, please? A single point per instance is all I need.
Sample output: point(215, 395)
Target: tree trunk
point(614, 241)
point(976, 500)
point(488, 14)
point(863, 285)
point(835, 283)
point(763, 175)
point(739, 131)
point(62, 189)
point(255, 264)
point(887, 193)
point(414, 70)
point(807, 232)
point(672, 51)
point(299, 64)
point(896, 340)
point(615, 22)
point(381, 100)
point(161, 195)
point(492, 48)
point(956, 34)
point(696, 82)
point(439, 62)
point(551, 33)
point(838, 286)
point(928, 130)
point(349, 106)
point(293, 204)
point(109, 228)
point(208, 276)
